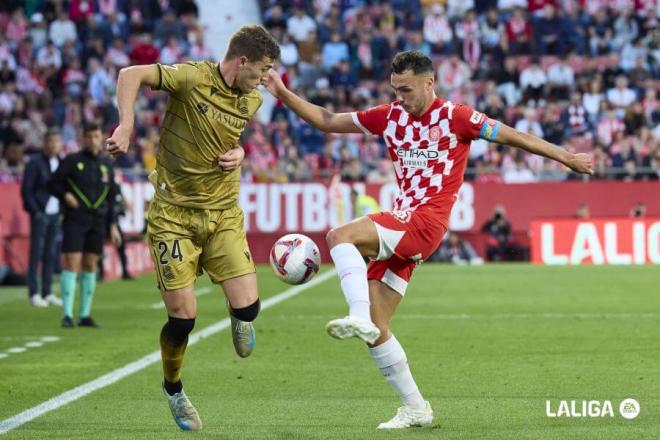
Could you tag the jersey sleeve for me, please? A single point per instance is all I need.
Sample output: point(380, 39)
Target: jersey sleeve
point(466, 123)
point(178, 78)
point(373, 120)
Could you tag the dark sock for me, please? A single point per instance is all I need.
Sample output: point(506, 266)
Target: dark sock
point(172, 388)
point(173, 342)
point(248, 313)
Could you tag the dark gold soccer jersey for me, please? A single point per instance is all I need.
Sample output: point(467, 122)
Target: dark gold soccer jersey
point(204, 118)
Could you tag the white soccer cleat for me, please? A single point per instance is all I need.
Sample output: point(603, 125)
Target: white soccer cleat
point(54, 300)
point(408, 417)
point(184, 413)
point(352, 327)
point(38, 301)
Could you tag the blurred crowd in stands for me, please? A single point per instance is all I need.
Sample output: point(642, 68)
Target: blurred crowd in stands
point(581, 74)
point(59, 62)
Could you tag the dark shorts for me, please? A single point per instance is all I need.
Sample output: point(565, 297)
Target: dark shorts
point(85, 234)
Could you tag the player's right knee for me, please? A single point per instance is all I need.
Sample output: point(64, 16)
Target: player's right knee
point(179, 328)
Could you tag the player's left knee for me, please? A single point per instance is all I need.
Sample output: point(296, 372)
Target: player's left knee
point(248, 313)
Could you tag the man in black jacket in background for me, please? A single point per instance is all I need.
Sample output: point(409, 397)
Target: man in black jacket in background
point(85, 185)
point(44, 210)
point(499, 244)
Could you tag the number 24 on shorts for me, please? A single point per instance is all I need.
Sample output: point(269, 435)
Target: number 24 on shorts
point(175, 254)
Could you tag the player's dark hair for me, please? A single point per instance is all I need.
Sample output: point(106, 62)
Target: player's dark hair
point(412, 60)
point(90, 126)
point(254, 42)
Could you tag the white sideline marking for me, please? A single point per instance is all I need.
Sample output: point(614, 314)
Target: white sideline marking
point(31, 344)
point(50, 338)
point(128, 369)
point(200, 292)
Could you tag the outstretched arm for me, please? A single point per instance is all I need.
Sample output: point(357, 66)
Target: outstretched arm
point(314, 115)
point(580, 163)
point(128, 84)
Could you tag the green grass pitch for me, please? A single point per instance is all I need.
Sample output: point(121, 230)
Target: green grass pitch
point(487, 345)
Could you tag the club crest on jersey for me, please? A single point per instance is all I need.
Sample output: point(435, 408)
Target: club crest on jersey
point(416, 158)
point(434, 133)
point(202, 108)
point(243, 106)
point(402, 216)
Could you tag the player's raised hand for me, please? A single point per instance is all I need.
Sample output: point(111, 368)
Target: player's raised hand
point(232, 159)
point(118, 143)
point(581, 163)
point(273, 83)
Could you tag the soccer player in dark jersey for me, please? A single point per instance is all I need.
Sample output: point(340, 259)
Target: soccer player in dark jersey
point(428, 141)
point(195, 222)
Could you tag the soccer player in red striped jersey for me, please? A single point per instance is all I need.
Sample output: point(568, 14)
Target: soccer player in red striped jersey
point(428, 141)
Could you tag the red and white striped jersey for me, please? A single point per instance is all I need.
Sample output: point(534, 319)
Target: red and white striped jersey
point(429, 153)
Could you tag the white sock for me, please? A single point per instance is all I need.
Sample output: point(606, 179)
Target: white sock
point(352, 272)
point(392, 362)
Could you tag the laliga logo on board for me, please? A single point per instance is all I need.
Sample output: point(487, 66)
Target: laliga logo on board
point(629, 408)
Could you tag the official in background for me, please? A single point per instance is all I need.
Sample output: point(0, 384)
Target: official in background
point(44, 210)
point(85, 185)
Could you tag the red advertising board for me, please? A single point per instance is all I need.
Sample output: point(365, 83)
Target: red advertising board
point(597, 241)
point(272, 210)
point(283, 208)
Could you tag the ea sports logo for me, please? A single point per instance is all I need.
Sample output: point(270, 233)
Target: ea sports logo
point(434, 133)
point(629, 408)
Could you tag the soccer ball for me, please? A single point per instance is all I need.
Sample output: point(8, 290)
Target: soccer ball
point(295, 258)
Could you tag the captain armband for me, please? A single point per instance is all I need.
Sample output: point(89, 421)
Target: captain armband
point(489, 129)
